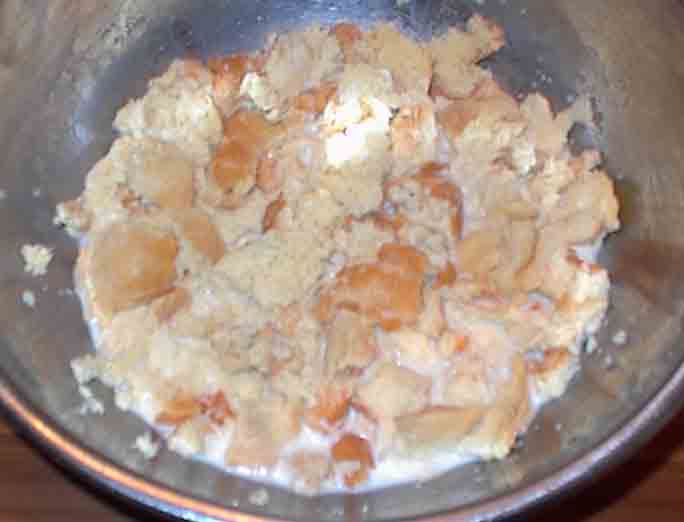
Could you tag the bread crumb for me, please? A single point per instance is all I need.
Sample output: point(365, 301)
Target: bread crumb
point(147, 445)
point(620, 338)
point(28, 298)
point(259, 497)
point(90, 403)
point(73, 217)
point(36, 259)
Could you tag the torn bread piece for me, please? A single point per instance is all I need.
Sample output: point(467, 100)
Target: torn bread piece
point(456, 54)
point(127, 265)
point(178, 108)
point(296, 62)
point(36, 259)
point(232, 173)
point(408, 61)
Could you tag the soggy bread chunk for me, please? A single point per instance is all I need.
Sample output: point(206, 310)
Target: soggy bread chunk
point(297, 62)
point(311, 469)
point(549, 181)
point(489, 118)
point(436, 428)
point(271, 214)
point(427, 214)
point(179, 410)
point(137, 175)
point(392, 391)
point(468, 383)
point(478, 253)
point(552, 371)
point(197, 227)
point(361, 240)
point(518, 246)
point(177, 108)
point(354, 449)
point(481, 38)
point(302, 60)
point(581, 305)
point(592, 194)
point(315, 100)
point(127, 265)
point(447, 276)
point(438, 186)
point(456, 53)
point(363, 82)
point(389, 292)
point(414, 134)
point(500, 256)
point(166, 306)
point(548, 132)
point(348, 35)
point(160, 173)
point(228, 72)
point(332, 406)
point(356, 187)
point(263, 429)
point(233, 170)
point(268, 177)
point(442, 189)
point(586, 209)
point(408, 60)
point(183, 408)
point(106, 188)
point(190, 437)
point(506, 418)
point(351, 344)
point(551, 271)
point(452, 343)
point(244, 222)
point(216, 407)
point(432, 322)
point(410, 349)
point(219, 310)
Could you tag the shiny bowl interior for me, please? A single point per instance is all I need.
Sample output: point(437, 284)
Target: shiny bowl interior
point(66, 66)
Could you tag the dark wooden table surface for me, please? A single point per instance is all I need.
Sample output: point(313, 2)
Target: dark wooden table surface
point(646, 489)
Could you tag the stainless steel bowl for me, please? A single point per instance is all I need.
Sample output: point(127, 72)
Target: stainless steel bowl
point(67, 65)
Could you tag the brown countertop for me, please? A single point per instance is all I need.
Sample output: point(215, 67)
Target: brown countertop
point(647, 488)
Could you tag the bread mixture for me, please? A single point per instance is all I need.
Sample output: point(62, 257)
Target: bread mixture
point(346, 260)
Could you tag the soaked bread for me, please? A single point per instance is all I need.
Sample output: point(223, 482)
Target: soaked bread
point(345, 260)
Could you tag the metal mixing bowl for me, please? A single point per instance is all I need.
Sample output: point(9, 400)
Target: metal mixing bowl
point(67, 65)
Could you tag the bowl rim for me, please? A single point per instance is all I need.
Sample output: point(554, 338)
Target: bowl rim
point(128, 485)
